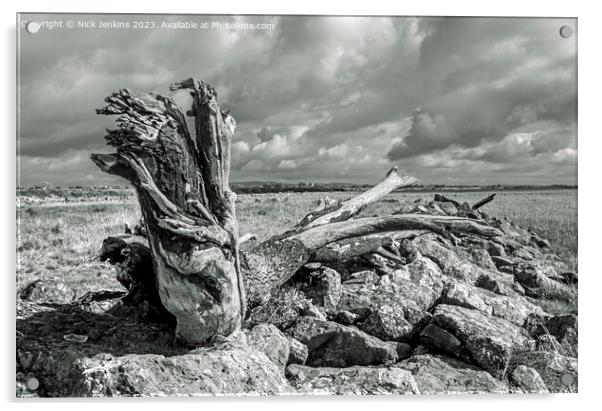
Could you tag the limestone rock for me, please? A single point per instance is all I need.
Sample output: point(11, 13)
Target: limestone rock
point(490, 340)
point(298, 352)
point(335, 345)
point(269, 340)
point(351, 381)
point(436, 374)
point(482, 258)
point(528, 380)
point(558, 372)
point(513, 308)
point(125, 358)
point(322, 286)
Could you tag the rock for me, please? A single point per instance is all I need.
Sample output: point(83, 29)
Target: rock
point(448, 261)
point(322, 286)
point(436, 337)
point(448, 208)
point(363, 277)
point(540, 242)
point(435, 209)
point(345, 317)
point(311, 310)
point(523, 253)
point(282, 309)
point(388, 310)
point(464, 295)
point(496, 249)
point(397, 322)
point(547, 342)
point(569, 343)
point(558, 372)
point(124, 358)
point(559, 325)
point(499, 283)
point(269, 340)
point(482, 258)
point(537, 274)
point(298, 352)
point(421, 281)
point(490, 340)
point(528, 380)
point(436, 374)
point(403, 350)
point(513, 308)
point(351, 381)
point(335, 345)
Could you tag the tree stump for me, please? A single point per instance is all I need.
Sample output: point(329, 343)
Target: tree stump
point(182, 183)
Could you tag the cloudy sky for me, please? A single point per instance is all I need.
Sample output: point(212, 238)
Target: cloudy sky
point(450, 100)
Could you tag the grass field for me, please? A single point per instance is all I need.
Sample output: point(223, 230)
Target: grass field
point(59, 243)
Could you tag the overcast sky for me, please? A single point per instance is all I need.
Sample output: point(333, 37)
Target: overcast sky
point(450, 100)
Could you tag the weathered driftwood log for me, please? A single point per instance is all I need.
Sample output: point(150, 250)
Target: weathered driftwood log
point(482, 202)
point(182, 182)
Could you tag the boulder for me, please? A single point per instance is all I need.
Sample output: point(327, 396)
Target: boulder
point(482, 258)
point(513, 308)
point(421, 281)
point(397, 322)
point(528, 380)
point(322, 286)
point(388, 310)
point(499, 283)
point(298, 352)
point(334, 345)
point(437, 374)
point(489, 340)
point(282, 308)
point(351, 381)
point(558, 372)
point(437, 337)
point(269, 340)
point(447, 259)
point(119, 357)
point(467, 296)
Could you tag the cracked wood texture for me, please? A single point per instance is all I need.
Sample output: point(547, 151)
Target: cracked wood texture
point(181, 179)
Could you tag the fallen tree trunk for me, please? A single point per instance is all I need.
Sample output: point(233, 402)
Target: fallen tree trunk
point(182, 183)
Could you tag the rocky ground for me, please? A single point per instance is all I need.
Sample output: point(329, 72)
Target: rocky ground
point(449, 315)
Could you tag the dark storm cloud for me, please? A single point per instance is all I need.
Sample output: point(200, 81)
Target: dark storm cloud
point(321, 98)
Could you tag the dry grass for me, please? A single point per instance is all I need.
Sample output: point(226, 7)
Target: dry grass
point(60, 243)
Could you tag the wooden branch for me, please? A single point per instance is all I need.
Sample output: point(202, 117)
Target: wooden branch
point(482, 202)
point(441, 198)
point(113, 164)
point(320, 236)
point(357, 246)
point(355, 205)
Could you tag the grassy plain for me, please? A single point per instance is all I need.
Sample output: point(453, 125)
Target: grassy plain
point(59, 242)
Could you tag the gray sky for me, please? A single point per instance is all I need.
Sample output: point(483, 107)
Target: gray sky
point(450, 100)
